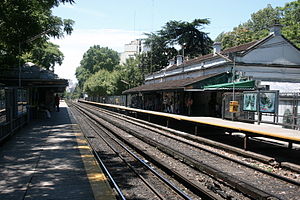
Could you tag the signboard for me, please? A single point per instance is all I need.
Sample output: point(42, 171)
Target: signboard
point(268, 101)
point(265, 101)
point(250, 102)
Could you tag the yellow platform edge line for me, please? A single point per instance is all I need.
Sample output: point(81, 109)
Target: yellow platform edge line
point(97, 179)
point(186, 118)
point(249, 130)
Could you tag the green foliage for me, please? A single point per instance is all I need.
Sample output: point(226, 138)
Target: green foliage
point(46, 56)
point(100, 84)
point(260, 23)
point(188, 36)
point(129, 75)
point(25, 24)
point(82, 74)
point(263, 19)
point(94, 60)
point(105, 82)
point(158, 56)
point(97, 58)
point(240, 35)
point(185, 34)
point(291, 21)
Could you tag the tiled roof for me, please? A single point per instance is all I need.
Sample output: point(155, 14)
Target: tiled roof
point(168, 85)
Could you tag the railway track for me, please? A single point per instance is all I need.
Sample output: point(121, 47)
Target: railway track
point(215, 173)
point(126, 164)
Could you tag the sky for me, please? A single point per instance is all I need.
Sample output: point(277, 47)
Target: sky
point(114, 23)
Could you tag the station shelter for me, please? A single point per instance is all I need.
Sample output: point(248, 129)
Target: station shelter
point(26, 93)
point(199, 96)
point(202, 85)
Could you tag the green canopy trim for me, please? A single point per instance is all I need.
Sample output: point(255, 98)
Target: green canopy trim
point(241, 84)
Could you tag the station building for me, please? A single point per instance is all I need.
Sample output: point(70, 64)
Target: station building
point(204, 86)
point(26, 93)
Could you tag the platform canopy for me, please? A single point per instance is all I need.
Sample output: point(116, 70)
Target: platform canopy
point(32, 76)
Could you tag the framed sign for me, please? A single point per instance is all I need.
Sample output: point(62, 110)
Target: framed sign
point(268, 101)
point(250, 101)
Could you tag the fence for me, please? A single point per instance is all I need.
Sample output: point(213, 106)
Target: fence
point(13, 111)
point(117, 100)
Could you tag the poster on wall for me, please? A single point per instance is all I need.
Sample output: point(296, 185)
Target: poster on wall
point(268, 102)
point(250, 102)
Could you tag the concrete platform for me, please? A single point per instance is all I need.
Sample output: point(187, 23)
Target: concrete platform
point(251, 130)
point(50, 159)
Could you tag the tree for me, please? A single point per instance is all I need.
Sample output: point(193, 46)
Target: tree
point(82, 74)
point(187, 35)
point(263, 19)
point(239, 35)
point(100, 84)
point(158, 56)
point(21, 21)
point(94, 60)
point(97, 58)
point(128, 75)
point(291, 21)
point(260, 23)
point(46, 56)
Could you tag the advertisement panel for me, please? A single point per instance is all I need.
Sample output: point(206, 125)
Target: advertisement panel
point(262, 101)
point(268, 101)
point(250, 101)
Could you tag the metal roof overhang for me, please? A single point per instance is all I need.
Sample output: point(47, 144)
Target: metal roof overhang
point(237, 85)
point(242, 85)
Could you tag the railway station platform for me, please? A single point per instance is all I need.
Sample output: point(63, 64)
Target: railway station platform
point(250, 130)
point(50, 159)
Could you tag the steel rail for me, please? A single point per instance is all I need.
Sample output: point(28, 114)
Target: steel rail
point(171, 185)
point(244, 187)
point(288, 180)
point(204, 192)
point(106, 171)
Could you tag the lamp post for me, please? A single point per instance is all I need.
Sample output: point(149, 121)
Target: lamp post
point(183, 47)
point(233, 79)
point(233, 104)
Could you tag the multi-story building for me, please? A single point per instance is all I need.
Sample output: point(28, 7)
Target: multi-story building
point(132, 49)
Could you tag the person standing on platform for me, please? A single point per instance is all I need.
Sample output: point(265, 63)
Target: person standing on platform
point(57, 99)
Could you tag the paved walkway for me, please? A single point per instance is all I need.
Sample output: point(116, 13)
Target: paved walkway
point(50, 159)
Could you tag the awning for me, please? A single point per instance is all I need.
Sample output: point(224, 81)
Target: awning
point(241, 84)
